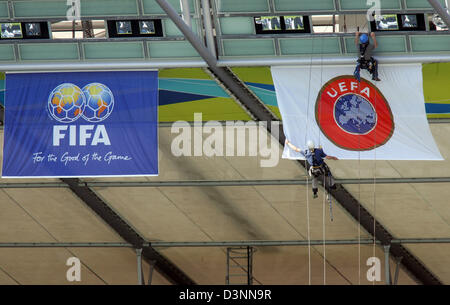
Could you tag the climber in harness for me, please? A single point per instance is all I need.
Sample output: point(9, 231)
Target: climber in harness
point(318, 167)
point(365, 60)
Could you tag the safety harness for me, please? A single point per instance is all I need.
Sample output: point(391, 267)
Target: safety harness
point(315, 169)
point(362, 63)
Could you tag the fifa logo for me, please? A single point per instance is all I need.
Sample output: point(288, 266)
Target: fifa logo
point(93, 103)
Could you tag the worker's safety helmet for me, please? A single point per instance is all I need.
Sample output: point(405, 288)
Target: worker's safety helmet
point(310, 145)
point(364, 38)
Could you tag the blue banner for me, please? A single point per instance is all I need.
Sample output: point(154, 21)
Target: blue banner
point(83, 124)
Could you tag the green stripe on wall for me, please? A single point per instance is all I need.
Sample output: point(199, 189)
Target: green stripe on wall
point(439, 116)
point(214, 109)
point(275, 110)
point(436, 81)
point(188, 73)
point(261, 75)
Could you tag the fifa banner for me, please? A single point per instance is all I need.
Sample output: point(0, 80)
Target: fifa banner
point(83, 124)
point(368, 120)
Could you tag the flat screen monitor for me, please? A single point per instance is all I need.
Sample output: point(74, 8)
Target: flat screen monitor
point(11, 30)
point(410, 21)
point(124, 27)
point(33, 29)
point(269, 23)
point(294, 23)
point(147, 27)
point(386, 23)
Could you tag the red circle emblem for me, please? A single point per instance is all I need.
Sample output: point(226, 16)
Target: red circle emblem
point(353, 115)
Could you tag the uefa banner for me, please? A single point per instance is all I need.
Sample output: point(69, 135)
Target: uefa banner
point(368, 120)
point(81, 124)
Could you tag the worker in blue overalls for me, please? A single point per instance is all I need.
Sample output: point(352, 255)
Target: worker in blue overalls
point(366, 61)
point(317, 166)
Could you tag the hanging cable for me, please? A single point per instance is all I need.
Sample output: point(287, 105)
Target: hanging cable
point(323, 238)
point(309, 88)
point(359, 194)
point(359, 198)
point(359, 215)
point(324, 175)
point(306, 163)
point(309, 236)
point(375, 183)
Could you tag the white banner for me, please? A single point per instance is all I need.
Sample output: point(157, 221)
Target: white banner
point(370, 120)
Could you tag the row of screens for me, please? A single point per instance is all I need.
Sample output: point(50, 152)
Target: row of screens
point(263, 25)
point(39, 30)
point(301, 24)
point(282, 24)
point(29, 30)
point(135, 28)
point(270, 24)
point(399, 23)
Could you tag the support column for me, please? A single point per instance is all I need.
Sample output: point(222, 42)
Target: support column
point(387, 268)
point(206, 10)
point(398, 260)
point(139, 266)
point(150, 275)
point(187, 32)
point(249, 265)
point(186, 13)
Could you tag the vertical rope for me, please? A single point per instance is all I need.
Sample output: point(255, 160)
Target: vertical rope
point(323, 237)
point(359, 218)
point(375, 186)
point(309, 236)
point(324, 177)
point(359, 195)
point(359, 199)
point(309, 89)
point(321, 84)
point(306, 163)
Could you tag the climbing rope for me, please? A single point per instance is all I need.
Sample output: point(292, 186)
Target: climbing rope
point(324, 238)
point(306, 164)
point(325, 194)
point(375, 186)
point(359, 198)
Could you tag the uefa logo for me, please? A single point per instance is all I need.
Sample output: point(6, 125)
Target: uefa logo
point(68, 102)
point(354, 115)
